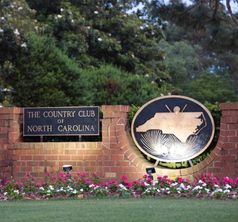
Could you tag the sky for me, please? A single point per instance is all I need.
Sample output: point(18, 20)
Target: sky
point(234, 6)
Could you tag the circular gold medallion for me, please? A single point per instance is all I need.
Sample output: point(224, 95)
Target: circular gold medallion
point(172, 128)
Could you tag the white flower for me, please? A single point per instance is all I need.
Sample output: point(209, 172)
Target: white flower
point(122, 187)
point(72, 20)
point(81, 190)
point(1, 30)
point(42, 188)
point(69, 188)
point(182, 186)
point(91, 185)
point(96, 187)
point(154, 182)
point(16, 191)
point(99, 39)
point(16, 32)
point(5, 193)
point(174, 184)
point(23, 45)
point(2, 18)
point(141, 27)
point(61, 189)
point(204, 184)
point(59, 16)
point(226, 191)
point(61, 9)
point(197, 188)
point(19, 8)
point(74, 191)
point(218, 190)
point(200, 181)
point(228, 186)
point(95, 12)
point(146, 184)
point(51, 187)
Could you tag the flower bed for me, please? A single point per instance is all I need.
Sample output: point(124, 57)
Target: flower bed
point(82, 185)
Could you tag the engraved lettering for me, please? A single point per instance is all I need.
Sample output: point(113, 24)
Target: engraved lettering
point(39, 128)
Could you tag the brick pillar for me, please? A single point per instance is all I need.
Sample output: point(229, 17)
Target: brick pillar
point(9, 134)
point(121, 156)
point(226, 164)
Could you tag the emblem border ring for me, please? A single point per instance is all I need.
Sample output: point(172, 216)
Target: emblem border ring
point(165, 97)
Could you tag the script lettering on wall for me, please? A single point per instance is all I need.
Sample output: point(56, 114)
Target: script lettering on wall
point(56, 121)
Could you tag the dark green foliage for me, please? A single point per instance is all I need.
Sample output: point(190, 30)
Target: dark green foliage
point(120, 54)
point(210, 34)
point(211, 88)
point(45, 7)
point(109, 85)
point(44, 76)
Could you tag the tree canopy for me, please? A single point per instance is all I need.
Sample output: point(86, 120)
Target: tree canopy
point(67, 52)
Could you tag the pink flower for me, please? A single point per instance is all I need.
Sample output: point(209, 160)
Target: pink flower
point(124, 177)
point(82, 174)
point(227, 180)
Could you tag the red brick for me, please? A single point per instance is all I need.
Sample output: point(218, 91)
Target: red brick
point(38, 157)
point(117, 157)
point(233, 126)
point(233, 139)
point(64, 157)
point(90, 157)
point(122, 163)
point(217, 164)
point(29, 157)
point(229, 106)
point(31, 163)
point(233, 151)
point(51, 157)
point(229, 158)
point(228, 133)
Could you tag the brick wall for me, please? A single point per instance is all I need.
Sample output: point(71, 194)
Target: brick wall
point(9, 134)
point(115, 156)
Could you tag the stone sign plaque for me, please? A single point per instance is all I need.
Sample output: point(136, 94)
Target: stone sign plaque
point(172, 128)
point(56, 121)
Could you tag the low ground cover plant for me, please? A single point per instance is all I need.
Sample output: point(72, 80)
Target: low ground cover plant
point(83, 185)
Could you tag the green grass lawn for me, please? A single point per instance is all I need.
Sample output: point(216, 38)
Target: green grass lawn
point(123, 210)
